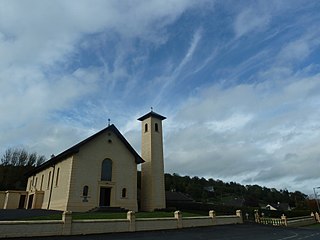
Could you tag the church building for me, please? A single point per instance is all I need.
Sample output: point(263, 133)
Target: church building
point(100, 171)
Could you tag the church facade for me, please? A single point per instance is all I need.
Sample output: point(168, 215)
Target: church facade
point(100, 171)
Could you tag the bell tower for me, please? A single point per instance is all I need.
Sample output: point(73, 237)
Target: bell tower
point(152, 171)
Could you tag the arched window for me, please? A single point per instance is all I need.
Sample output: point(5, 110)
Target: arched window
point(156, 128)
point(85, 191)
point(146, 127)
point(106, 170)
point(124, 193)
point(30, 186)
point(41, 182)
point(57, 178)
point(49, 179)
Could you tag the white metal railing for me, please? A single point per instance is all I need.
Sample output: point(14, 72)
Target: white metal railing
point(284, 221)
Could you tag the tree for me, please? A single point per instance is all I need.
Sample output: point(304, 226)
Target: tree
point(252, 194)
point(14, 164)
point(20, 157)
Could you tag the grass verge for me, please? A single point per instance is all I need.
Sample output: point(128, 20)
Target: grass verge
point(105, 215)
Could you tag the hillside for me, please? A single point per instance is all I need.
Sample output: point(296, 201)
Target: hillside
point(232, 193)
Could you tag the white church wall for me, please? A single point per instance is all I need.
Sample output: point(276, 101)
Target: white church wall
point(54, 192)
point(61, 187)
point(86, 171)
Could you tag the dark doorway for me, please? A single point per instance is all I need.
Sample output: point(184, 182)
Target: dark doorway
point(30, 201)
point(22, 201)
point(105, 194)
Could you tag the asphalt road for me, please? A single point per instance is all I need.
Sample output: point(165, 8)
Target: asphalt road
point(227, 232)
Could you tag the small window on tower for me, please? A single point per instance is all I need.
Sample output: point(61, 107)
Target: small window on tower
point(156, 128)
point(146, 127)
point(85, 191)
point(124, 192)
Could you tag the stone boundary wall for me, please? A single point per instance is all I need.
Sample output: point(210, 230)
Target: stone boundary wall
point(67, 226)
point(301, 221)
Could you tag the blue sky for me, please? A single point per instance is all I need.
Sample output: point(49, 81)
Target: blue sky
point(239, 82)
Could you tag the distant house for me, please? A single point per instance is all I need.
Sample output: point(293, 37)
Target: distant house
point(277, 207)
point(269, 207)
point(209, 189)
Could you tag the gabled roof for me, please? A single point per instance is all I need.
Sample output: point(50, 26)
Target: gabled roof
point(75, 149)
point(279, 206)
point(151, 114)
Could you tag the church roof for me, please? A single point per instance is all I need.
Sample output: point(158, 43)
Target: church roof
point(75, 149)
point(151, 114)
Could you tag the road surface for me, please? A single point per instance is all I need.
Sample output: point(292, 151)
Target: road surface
point(226, 232)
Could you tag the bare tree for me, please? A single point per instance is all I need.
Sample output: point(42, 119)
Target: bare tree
point(14, 163)
point(20, 157)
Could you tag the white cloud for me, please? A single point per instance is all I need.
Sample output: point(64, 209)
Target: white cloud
point(234, 122)
point(193, 45)
point(299, 49)
point(250, 19)
point(174, 72)
point(249, 133)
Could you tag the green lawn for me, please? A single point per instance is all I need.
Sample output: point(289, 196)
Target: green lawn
point(317, 225)
point(105, 215)
point(49, 217)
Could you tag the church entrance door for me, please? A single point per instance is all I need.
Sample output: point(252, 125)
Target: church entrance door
point(105, 194)
point(30, 201)
point(22, 201)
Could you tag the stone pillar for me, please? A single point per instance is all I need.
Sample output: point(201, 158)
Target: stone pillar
point(239, 214)
point(284, 220)
point(212, 214)
point(67, 223)
point(317, 217)
point(131, 216)
point(256, 216)
point(178, 216)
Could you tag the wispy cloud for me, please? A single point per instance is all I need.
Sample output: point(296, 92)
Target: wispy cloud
point(250, 19)
point(188, 56)
point(177, 71)
point(238, 82)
